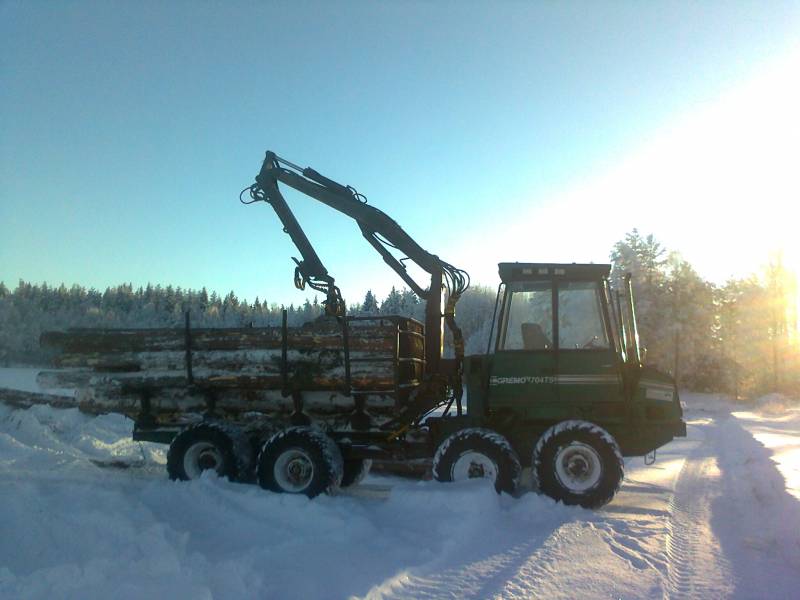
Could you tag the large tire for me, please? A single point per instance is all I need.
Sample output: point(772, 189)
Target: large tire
point(578, 463)
point(354, 471)
point(476, 453)
point(209, 446)
point(300, 460)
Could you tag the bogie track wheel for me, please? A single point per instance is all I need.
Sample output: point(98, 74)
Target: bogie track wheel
point(300, 460)
point(209, 447)
point(577, 462)
point(478, 453)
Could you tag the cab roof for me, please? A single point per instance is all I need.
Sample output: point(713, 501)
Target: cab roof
point(517, 271)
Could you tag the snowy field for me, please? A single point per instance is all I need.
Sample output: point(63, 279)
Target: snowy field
point(718, 516)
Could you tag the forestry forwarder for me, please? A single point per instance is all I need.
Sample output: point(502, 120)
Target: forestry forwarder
point(562, 387)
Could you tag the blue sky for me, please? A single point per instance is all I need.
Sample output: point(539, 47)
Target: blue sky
point(490, 131)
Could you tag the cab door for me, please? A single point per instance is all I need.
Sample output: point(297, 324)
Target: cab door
point(588, 366)
point(523, 368)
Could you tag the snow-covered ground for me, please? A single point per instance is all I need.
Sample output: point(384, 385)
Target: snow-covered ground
point(717, 516)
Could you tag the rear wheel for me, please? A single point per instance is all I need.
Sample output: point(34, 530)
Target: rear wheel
point(209, 447)
point(478, 453)
point(300, 460)
point(577, 462)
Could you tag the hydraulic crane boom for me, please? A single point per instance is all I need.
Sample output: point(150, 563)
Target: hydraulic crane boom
point(380, 231)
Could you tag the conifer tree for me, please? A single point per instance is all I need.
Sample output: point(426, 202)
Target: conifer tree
point(392, 304)
point(370, 304)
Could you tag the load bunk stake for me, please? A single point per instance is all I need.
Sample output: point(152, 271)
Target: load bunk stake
point(188, 343)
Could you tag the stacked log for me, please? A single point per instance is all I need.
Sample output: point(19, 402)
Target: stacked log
point(85, 345)
point(24, 399)
point(238, 371)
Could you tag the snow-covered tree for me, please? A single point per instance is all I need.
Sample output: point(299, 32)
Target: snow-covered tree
point(392, 305)
point(643, 258)
point(691, 318)
point(370, 304)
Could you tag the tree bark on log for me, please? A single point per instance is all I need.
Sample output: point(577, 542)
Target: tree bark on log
point(21, 399)
point(370, 338)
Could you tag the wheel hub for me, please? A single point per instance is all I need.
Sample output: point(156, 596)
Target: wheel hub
point(578, 467)
point(475, 470)
point(294, 470)
point(298, 470)
point(202, 456)
point(474, 465)
point(208, 460)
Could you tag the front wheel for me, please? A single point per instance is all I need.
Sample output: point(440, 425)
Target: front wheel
point(578, 463)
point(478, 453)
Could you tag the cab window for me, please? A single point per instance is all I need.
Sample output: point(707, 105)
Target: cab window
point(580, 317)
point(529, 322)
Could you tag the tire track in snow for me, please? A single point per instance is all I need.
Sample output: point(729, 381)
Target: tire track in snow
point(624, 538)
point(478, 579)
point(696, 567)
point(538, 576)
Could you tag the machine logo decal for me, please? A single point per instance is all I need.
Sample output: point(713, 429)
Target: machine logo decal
point(494, 380)
point(551, 379)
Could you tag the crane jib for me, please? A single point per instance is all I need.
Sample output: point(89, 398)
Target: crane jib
point(382, 232)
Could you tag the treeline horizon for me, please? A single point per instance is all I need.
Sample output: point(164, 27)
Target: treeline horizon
point(740, 338)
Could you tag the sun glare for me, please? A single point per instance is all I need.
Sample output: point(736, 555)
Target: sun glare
point(719, 184)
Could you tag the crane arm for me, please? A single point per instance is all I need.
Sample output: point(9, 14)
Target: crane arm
point(372, 221)
point(380, 231)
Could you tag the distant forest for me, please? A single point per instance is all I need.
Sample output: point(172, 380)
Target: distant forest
point(740, 338)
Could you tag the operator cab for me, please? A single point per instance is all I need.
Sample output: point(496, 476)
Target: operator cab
point(550, 306)
point(557, 338)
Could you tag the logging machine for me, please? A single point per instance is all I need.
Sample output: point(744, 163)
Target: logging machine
point(561, 389)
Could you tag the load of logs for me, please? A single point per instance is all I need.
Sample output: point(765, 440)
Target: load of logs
point(327, 369)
